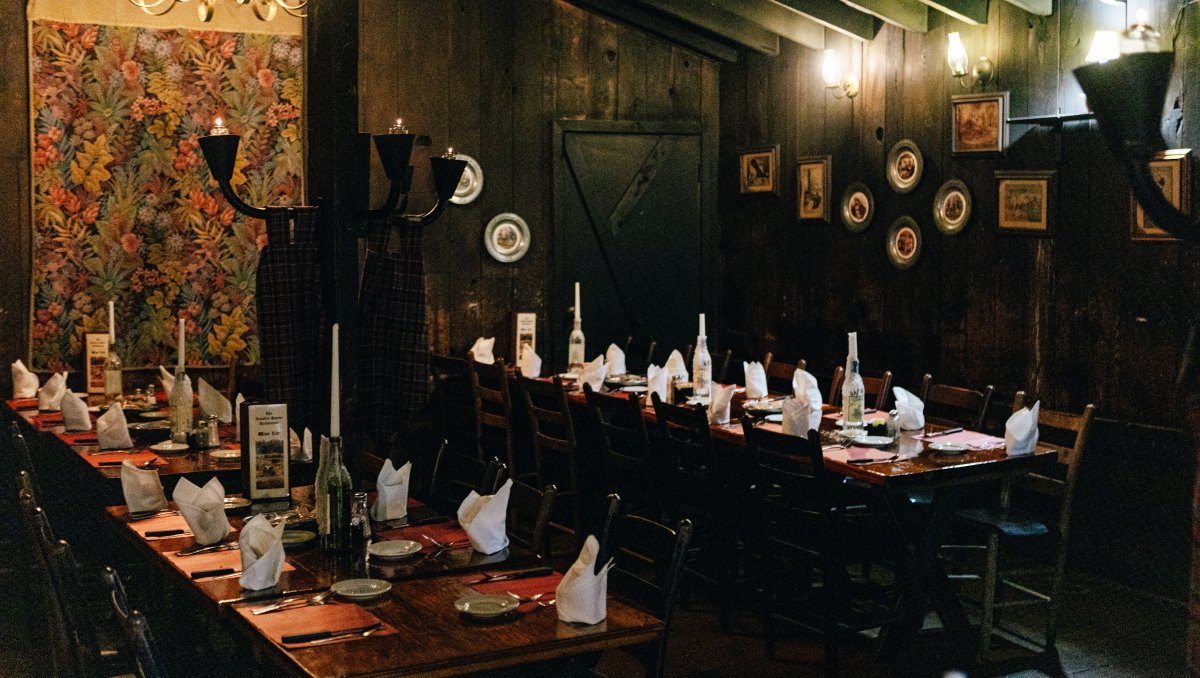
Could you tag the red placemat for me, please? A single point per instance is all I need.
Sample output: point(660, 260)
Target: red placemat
point(313, 618)
point(114, 459)
point(78, 438)
point(47, 419)
point(443, 532)
point(525, 588)
point(855, 454)
point(868, 416)
point(214, 560)
point(23, 404)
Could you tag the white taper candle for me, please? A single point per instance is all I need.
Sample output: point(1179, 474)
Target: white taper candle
point(112, 325)
point(577, 316)
point(702, 325)
point(181, 342)
point(335, 426)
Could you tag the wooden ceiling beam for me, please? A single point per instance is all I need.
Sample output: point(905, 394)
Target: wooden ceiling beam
point(973, 12)
point(778, 19)
point(1038, 7)
point(836, 16)
point(723, 24)
point(910, 15)
point(667, 28)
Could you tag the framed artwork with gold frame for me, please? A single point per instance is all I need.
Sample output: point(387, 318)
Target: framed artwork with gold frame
point(1172, 171)
point(759, 170)
point(814, 186)
point(1026, 201)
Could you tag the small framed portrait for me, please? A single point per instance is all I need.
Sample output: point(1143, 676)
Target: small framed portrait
point(904, 243)
point(980, 123)
point(760, 170)
point(952, 207)
point(858, 207)
point(904, 166)
point(1026, 201)
point(96, 351)
point(524, 334)
point(1172, 171)
point(814, 184)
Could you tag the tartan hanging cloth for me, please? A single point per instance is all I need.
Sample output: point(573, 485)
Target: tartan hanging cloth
point(393, 355)
point(291, 317)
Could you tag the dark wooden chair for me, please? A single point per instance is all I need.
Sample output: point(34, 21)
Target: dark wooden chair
point(879, 388)
point(17, 458)
point(455, 476)
point(529, 516)
point(639, 356)
point(1007, 523)
point(138, 638)
point(493, 412)
point(54, 628)
point(802, 542)
point(626, 465)
point(454, 403)
point(954, 405)
point(648, 560)
point(555, 453)
point(721, 362)
point(779, 374)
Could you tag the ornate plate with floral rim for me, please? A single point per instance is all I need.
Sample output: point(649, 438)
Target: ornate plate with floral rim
point(470, 185)
point(904, 166)
point(506, 237)
point(904, 243)
point(858, 207)
point(952, 207)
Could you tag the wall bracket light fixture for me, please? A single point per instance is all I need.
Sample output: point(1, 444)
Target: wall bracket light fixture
point(831, 74)
point(961, 67)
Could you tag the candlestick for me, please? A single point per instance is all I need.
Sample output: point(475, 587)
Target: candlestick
point(218, 127)
point(702, 333)
point(181, 331)
point(449, 154)
point(112, 325)
point(398, 127)
point(335, 426)
point(577, 316)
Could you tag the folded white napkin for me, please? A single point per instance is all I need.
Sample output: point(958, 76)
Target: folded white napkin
point(295, 448)
point(392, 488)
point(213, 403)
point(530, 363)
point(582, 595)
point(261, 545)
point(1021, 430)
point(615, 358)
point(167, 379)
point(808, 394)
point(203, 509)
point(676, 367)
point(657, 381)
point(112, 432)
point(718, 406)
point(483, 519)
point(910, 411)
point(594, 373)
point(142, 488)
point(75, 413)
point(797, 418)
point(306, 448)
point(756, 380)
point(51, 394)
point(25, 383)
point(482, 350)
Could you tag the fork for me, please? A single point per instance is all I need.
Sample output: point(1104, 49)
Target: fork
point(291, 603)
point(364, 634)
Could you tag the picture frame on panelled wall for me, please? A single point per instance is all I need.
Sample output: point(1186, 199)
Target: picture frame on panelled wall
point(524, 333)
point(979, 123)
point(905, 165)
point(904, 243)
point(814, 187)
point(858, 207)
point(95, 355)
point(759, 170)
point(1026, 201)
point(1172, 171)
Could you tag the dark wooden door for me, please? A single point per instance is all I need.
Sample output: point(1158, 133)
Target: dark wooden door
point(629, 227)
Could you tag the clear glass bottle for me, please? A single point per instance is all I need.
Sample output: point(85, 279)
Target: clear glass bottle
point(575, 349)
point(853, 400)
point(180, 400)
point(701, 365)
point(113, 376)
point(339, 490)
point(360, 522)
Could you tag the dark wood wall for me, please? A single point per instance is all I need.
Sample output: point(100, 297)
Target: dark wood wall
point(16, 231)
point(489, 77)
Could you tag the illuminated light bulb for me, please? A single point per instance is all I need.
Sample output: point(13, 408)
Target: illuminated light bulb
point(831, 70)
point(956, 56)
point(218, 127)
point(1106, 46)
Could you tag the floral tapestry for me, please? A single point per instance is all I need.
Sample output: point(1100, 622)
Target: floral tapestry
point(124, 207)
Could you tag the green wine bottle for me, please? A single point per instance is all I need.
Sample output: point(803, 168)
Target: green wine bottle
point(339, 490)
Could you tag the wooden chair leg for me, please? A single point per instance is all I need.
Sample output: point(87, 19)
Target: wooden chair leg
point(988, 598)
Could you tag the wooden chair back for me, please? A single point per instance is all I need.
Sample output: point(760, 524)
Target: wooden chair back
point(779, 374)
point(721, 362)
point(691, 475)
point(879, 388)
point(17, 456)
point(529, 516)
point(960, 406)
point(1060, 425)
point(138, 637)
point(638, 355)
point(493, 409)
point(620, 418)
point(41, 543)
point(457, 475)
point(454, 400)
point(549, 419)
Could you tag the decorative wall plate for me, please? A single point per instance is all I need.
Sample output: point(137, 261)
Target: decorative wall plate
point(471, 183)
point(952, 207)
point(904, 243)
point(858, 207)
point(506, 237)
point(904, 166)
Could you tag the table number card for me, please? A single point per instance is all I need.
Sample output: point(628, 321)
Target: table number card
point(96, 345)
point(524, 334)
point(266, 450)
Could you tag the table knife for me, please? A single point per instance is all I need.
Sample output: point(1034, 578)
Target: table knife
point(197, 549)
point(327, 635)
point(516, 574)
point(205, 574)
point(163, 533)
point(868, 460)
point(947, 432)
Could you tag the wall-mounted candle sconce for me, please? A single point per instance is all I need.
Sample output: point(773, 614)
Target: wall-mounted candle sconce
point(961, 67)
point(395, 150)
point(831, 74)
point(220, 152)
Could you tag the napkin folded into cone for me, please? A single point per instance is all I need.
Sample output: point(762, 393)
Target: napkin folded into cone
point(75, 413)
point(25, 383)
point(483, 518)
point(482, 350)
point(614, 357)
point(392, 488)
point(213, 403)
point(593, 373)
point(51, 394)
point(203, 509)
point(167, 379)
point(676, 366)
point(142, 488)
point(718, 406)
point(582, 595)
point(802, 413)
point(1021, 431)
point(530, 363)
point(756, 380)
point(657, 381)
point(112, 432)
point(237, 413)
point(910, 411)
point(302, 446)
point(261, 545)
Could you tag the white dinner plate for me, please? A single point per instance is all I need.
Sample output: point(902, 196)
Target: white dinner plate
point(234, 503)
point(361, 589)
point(874, 441)
point(168, 446)
point(634, 389)
point(949, 448)
point(774, 418)
point(225, 455)
point(486, 606)
point(155, 414)
point(393, 550)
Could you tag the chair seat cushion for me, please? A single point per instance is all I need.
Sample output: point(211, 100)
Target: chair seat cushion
point(1003, 522)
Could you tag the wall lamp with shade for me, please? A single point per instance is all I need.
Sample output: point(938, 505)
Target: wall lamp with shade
point(831, 74)
point(960, 64)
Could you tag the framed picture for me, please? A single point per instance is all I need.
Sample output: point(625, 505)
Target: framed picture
point(266, 442)
point(524, 334)
point(980, 123)
point(952, 207)
point(814, 184)
point(905, 164)
point(904, 243)
point(96, 352)
point(858, 207)
point(1026, 201)
point(760, 169)
point(1172, 171)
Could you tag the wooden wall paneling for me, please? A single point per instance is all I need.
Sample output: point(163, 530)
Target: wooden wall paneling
point(733, 243)
point(710, 121)
point(16, 230)
point(573, 84)
point(604, 72)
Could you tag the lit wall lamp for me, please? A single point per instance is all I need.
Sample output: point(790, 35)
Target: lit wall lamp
point(960, 64)
point(831, 73)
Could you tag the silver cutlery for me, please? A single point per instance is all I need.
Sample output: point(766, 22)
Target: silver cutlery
point(195, 550)
point(365, 634)
point(526, 599)
point(292, 603)
point(325, 636)
point(866, 462)
point(449, 544)
point(146, 515)
point(956, 429)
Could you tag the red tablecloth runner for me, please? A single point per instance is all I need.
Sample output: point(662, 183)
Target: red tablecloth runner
point(47, 419)
point(442, 532)
point(161, 523)
point(78, 438)
point(23, 404)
